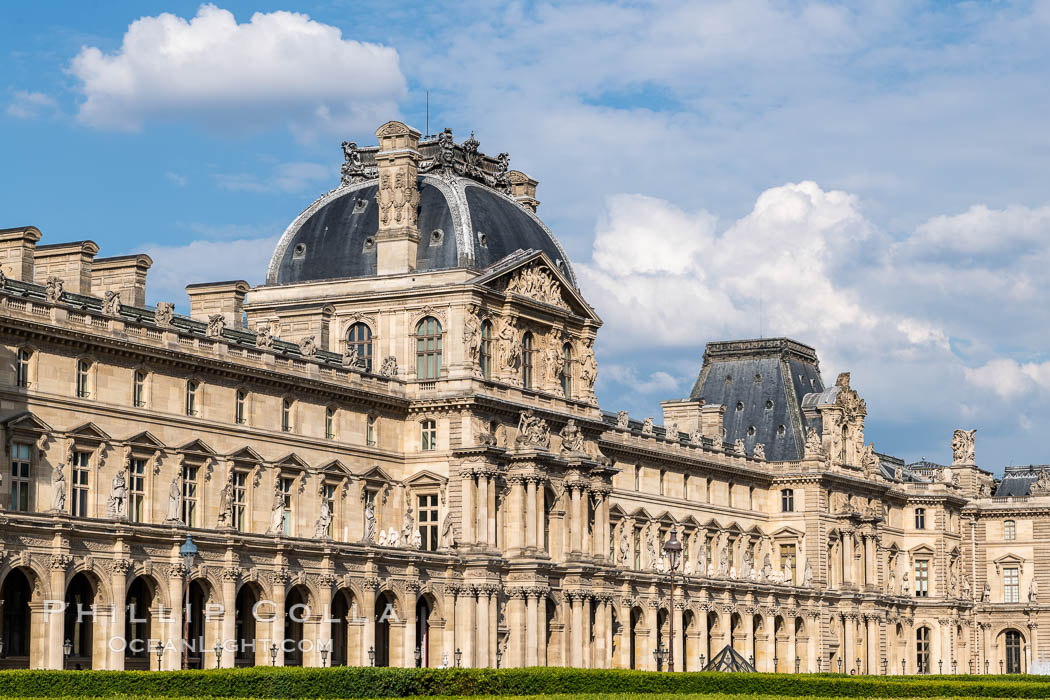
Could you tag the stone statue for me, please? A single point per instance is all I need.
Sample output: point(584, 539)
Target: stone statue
point(174, 501)
point(264, 337)
point(1041, 486)
point(555, 357)
point(308, 346)
point(767, 568)
point(392, 537)
point(53, 288)
point(650, 546)
point(905, 583)
point(813, 447)
point(625, 544)
point(965, 586)
point(898, 473)
point(588, 365)
point(389, 366)
point(382, 538)
point(710, 570)
point(701, 559)
point(1033, 591)
point(370, 521)
point(571, 438)
point(216, 325)
point(759, 451)
point(738, 447)
point(323, 522)
point(472, 337)
point(986, 596)
point(870, 461)
point(963, 446)
point(118, 495)
point(408, 526)
point(448, 532)
point(671, 431)
point(723, 559)
point(226, 503)
point(807, 575)
point(747, 564)
point(893, 582)
point(982, 490)
point(417, 540)
point(111, 303)
point(789, 577)
point(164, 313)
point(533, 431)
point(58, 488)
point(508, 347)
point(622, 420)
point(353, 169)
point(277, 514)
point(352, 357)
point(696, 437)
point(647, 426)
point(953, 583)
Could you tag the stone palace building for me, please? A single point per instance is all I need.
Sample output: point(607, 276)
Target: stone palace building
point(391, 453)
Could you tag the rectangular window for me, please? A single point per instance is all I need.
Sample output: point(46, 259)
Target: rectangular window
point(370, 431)
point(83, 373)
point(922, 578)
point(240, 413)
point(707, 491)
point(189, 495)
point(1009, 530)
point(191, 398)
point(637, 478)
point(136, 489)
point(20, 477)
point(80, 478)
point(787, 500)
point(663, 476)
point(685, 487)
point(240, 500)
point(22, 368)
point(286, 489)
point(637, 548)
point(329, 498)
point(787, 559)
point(286, 415)
point(329, 423)
point(1011, 585)
point(920, 518)
point(138, 393)
point(427, 508)
point(428, 439)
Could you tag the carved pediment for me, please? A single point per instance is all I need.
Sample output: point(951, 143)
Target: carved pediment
point(425, 478)
point(26, 422)
point(246, 454)
point(292, 461)
point(335, 468)
point(197, 447)
point(788, 533)
point(376, 474)
point(532, 275)
point(1009, 560)
point(89, 432)
point(145, 441)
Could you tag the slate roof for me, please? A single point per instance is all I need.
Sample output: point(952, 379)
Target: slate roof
point(461, 224)
point(762, 384)
point(1018, 480)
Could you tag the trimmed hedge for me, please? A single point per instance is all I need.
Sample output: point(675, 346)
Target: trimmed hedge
point(264, 682)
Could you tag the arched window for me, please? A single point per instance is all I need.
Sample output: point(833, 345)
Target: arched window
point(1009, 530)
point(83, 379)
point(566, 371)
point(192, 388)
point(922, 650)
point(138, 390)
point(22, 368)
point(428, 348)
point(526, 360)
point(1014, 645)
point(486, 349)
point(359, 337)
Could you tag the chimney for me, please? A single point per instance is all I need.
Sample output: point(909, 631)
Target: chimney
point(16, 251)
point(523, 189)
point(70, 262)
point(226, 298)
point(711, 421)
point(125, 274)
point(684, 412)
point(397, 240)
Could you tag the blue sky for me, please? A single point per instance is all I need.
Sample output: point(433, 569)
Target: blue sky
point(869, 178)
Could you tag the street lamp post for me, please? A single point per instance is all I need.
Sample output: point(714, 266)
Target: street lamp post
point(858, 665)
point(703, 662)
point(885, 663)
point(459, 656)
point(987, 663)
point(218, 654)
point(971, 665)
point(840, 663)
point(1000, 666)
point(798, 665)
point(673, 550)
point(67, 649)
point(188, 551)
point(324, 656)
point(940, 667)
point(776, 662)
point(499, 656)
point(273, 654)
point(371, 656)
point(419, 656)
point(659, 653)
point(902, 667)
point(160, 654)
point(955, 666)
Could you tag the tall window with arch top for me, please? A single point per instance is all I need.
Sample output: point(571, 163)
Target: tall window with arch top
point(428, 348)
point(359, 336)
point(486, 349)
point(566, 370)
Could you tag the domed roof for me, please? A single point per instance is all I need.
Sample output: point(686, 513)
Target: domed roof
point(462, 223)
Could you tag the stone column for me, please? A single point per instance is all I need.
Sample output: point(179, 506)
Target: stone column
point(494, 624)
point(588, 633)
point(229, 616)
point(811, 647)
point(771, 642)
point(467, 490)
point(466, 610)
point(541, 514)
point(280, 583)
point(324, 624)
point(541, 627)
point(516, 514)
point(847, 562)
point(576, 628)
point(747, 620)
point(368, 603)
point(492, 510)
point(604, 544)
point(531, 520)
point(702, 637)
point(1033, 646)
point(483, 509)
point(531, 626)
point(481, 652)
point(518, 624)
point(872, 566)
point(653, 640)
point(409, 644)
point(450, 627)
point(790, 652)
point(679, 636)
point(585, 507)
point(849, 649)
point(873, 645)
point(172, 658)
point(625, 634)
point(118, 584)
point(575, 520)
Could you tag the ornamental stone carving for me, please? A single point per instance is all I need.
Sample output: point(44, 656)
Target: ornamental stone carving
point(472, 338)
point(869, 461)
point(671, 431)
point(216, 325)
point(647, 426)
point(58, 489)
point(111, 303)
point(264, 337)
point(623, 420)
point(398, 199)
point(389, 366)
point(963, 446)
point(588, 365)
point(509, 352)
point(532, 431)
point(814, 449)
point(1041, 486)
point(352, 358)
point(537, 282)
point(571, 438)
point(353, 170)
point(53, 288)
point(164, 313)
point(759, 451)
point(308, 346)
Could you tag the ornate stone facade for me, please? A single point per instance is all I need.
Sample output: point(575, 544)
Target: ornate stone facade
point(420, 462)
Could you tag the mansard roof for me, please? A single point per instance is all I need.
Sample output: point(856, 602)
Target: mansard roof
point(1017, 481)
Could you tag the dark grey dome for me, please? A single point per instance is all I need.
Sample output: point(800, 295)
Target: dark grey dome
point(461, 224)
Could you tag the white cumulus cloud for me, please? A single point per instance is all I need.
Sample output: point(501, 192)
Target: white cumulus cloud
point(277, 68)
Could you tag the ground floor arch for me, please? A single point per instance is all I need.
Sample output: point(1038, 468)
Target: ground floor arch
point(16, 624)
point(139, 628)
point(246, 651)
